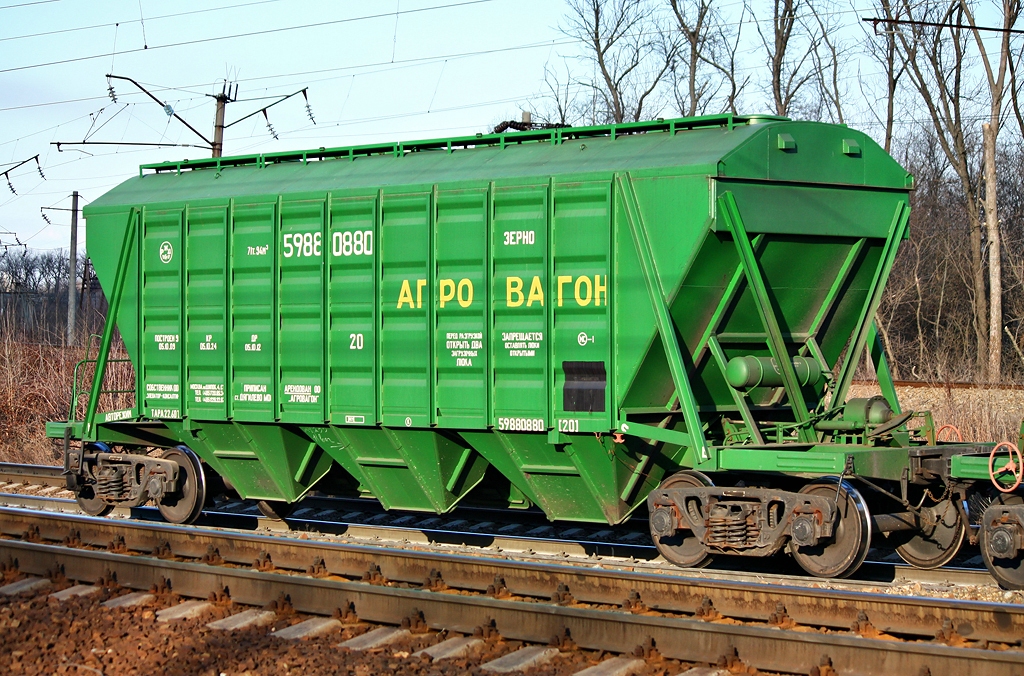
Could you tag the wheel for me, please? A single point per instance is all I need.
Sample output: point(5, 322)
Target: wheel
point(1016, 469)
point(85, 493)
point(683, 549)
point(933, 545)
point(89, 503)
point(1008, 572)
point(952, 429)
point(851, 536)
point(185, 504)
point(275, 509)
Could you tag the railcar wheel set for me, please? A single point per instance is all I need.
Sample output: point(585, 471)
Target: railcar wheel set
point(664, 316)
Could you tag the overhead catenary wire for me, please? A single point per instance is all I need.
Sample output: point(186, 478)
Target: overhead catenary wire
point(7, 173)
point(437, 86)
point(935, 24)
point(397, 65)
point(27, 4)
point(151, 19)
point(247, 34)
point(394, 39)
point(142, 20)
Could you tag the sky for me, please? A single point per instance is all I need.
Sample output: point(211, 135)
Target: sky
point(374, 71)
point(436, 68)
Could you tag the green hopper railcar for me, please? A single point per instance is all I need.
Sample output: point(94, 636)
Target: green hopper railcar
point(661, 315)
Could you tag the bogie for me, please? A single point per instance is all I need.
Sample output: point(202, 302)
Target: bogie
point(173, 478)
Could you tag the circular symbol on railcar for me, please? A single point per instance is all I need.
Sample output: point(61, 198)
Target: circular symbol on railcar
point(583, 339)
point(166, 252)
point(408, 422)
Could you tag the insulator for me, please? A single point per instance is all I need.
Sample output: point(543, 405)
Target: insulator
point(309, 111)
point(46, 218)
point(10, 185)
point(111, 94)
point(39, 167)
point(270, 127)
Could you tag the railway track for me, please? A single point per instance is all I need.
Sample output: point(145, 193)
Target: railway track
point(773, 627)
point(527, 534)
point(558, 595)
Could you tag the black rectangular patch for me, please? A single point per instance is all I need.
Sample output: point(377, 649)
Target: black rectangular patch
point(585, 383)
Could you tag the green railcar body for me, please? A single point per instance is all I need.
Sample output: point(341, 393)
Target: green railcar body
point(419, 313)
point(562, 318)
point(663, 314)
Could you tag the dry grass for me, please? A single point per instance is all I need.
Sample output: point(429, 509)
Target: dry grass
point(35, 388)
point(980, 413)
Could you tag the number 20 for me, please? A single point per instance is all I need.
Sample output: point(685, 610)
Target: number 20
point(356, 341)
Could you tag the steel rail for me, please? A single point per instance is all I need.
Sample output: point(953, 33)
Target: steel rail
point(873, 573)
point(40, 475)
point(677, 637)
point(592, 583)
point(46, 475)
point(923, 384)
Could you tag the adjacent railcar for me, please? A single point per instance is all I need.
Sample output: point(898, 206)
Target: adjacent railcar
point(662, 315)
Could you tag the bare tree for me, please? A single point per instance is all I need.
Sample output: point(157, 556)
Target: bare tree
point(1011, 216)
point(706, 59)
point(562, 104)
point(726, 64)
point(33, 294)
point(694, 19)
point(935, 59)
point(630, 55)
point(881, 48)
point(927, 315)
point(789, 49)
point(830, 56)
point(996, 79)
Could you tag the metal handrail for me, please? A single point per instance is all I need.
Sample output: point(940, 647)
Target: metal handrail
point(78, 388)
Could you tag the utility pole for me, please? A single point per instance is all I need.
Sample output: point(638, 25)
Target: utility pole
point(72, 269)
point(225, 97)
point(218, 124)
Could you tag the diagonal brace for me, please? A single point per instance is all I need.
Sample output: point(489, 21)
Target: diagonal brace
point(897, 228)
point(882, 371)
point(120, 279)
point(776, 343)
point(666, 327)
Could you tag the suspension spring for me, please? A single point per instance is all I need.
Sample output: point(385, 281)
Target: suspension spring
point(727, 527)
point(110, 482)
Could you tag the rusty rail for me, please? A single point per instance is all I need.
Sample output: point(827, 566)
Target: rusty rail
point(924, 384)
point(685, 623)
point(40, 475)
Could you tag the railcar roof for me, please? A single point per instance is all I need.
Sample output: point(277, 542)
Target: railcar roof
point(719, 145)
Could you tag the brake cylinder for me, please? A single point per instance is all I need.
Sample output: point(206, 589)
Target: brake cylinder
point(750, 372)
